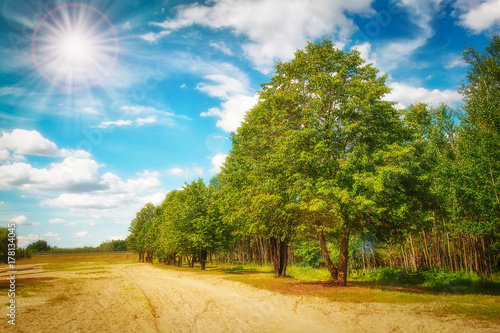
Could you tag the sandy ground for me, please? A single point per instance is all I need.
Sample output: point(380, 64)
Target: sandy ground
point(143, 298)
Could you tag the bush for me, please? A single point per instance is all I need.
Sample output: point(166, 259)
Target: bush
point(308, 253)
point(40, 246)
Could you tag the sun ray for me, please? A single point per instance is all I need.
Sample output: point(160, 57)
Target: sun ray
point(74, 46)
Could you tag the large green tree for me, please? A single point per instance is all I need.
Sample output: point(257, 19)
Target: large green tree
point(318, 148)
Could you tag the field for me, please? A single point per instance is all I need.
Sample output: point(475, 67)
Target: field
point(114, 293)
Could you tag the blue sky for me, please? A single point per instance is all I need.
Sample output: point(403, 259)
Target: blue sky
point(107, 105)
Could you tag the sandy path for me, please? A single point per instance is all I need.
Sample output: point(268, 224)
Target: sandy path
point(143, 298)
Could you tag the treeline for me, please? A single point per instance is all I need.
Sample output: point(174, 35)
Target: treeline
point(42, 247)
point(323, 167)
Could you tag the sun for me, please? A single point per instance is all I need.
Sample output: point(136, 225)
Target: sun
point(77, 48)
point(74, 46)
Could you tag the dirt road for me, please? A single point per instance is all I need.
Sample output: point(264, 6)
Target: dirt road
point(144, 298)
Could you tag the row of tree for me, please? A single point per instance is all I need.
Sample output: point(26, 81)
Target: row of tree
point(322, 156)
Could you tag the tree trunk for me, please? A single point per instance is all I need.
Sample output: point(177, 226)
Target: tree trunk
point(273, 253)
point(278, 251)
point(344, 255)
point(203, 259)
point(179, 261)
point(283, 257)
point(326, 256)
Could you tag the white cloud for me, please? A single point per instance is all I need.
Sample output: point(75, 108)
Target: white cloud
point(223, 86)
point(90, 110)
point(274, 28)
point(232, 111)
point(152, 115)
point(50, 234)
point(20, 220)
point(22, 142)
point(217, 162)
point(221, 46)
point(147, 173)
point(127, 26)
point(236, 96)
point(23, 220)
point(120, 122)
point(188, 172)
point(73, 174)
point(23, 241)
point(456, 62)
point(70, 224)
point(12, 91)
point(83, 189)
point(57, 221)
point(153, 38)
point(479, 15)
point(365, 51)
point(117, 194)
point(390, 55)
point(147, 120)
point(80, 234)
point(117, 237)
point(405, 95)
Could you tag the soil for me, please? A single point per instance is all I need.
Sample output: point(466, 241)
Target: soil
point(144, 298)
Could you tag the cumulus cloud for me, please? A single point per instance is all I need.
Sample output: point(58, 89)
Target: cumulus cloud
point(73, 174)
point(57, 221)
point(80, 234)
point(147, 120)
point(117, 237)
point(19, 220)
point(117, 193)
point(274, 28)
point(23, 220)
point(236, 96)
point(147, 173)
point(405, 95)
point(187, 172)
point(217, 162)
point(479, 15)
point(154, 37)
point(21, 142)
point(81, 183)
point(23, 241)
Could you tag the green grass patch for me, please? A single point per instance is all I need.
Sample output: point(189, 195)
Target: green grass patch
point(438, 280)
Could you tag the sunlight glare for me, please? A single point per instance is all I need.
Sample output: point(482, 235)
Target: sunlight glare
point(74, 46)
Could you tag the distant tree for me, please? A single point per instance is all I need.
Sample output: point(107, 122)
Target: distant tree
point(4, 245)
point(135, 241)
point(113, 245)
point(39, 246)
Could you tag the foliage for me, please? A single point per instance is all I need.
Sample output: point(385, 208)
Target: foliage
point(113, 245)
point(324, 156)
point(39, 246)
point(4, 244)
point(308, 253)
